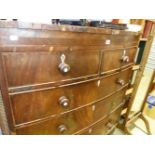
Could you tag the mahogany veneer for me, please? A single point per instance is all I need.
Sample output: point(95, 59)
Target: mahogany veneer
point(63, 79)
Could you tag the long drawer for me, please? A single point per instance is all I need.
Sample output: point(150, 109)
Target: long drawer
point(30, 106)
point(36, 105)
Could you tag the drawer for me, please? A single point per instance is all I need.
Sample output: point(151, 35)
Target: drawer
point(115, 59)
point(63, 125)
point(28, 68)
point(36, 105)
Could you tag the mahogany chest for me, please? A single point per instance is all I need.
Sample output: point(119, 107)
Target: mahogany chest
point(63, 79)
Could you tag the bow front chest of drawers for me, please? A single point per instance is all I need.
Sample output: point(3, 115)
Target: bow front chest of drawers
point(63, 79)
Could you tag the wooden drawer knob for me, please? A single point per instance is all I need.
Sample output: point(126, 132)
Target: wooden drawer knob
point(121, 82)
point(64, 102)
point(64, 67)
point(125, 57)
point(62, 128)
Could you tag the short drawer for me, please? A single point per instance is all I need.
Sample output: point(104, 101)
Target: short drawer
point(62, 64)
point(115, 59)
point(64, 125)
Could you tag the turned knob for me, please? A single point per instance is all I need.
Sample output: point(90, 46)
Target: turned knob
point(62, 128)
point(64, 102)
point(121, 82)
point(64, 67)
point(125, 59)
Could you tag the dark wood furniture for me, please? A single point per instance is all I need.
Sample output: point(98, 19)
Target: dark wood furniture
point(63, 79)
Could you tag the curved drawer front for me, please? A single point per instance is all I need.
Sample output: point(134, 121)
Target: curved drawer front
point(39, 104)
point(36, 105)
point(63, 125)
point(29, 68)
point(115, 59)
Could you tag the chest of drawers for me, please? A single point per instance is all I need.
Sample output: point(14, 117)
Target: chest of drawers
point(63, 79)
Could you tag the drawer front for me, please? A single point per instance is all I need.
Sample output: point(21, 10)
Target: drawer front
point(115, 59)
point(27, 68)
point(63, 125)
point(39, 104)
point(31, 106)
